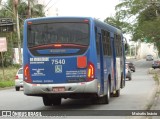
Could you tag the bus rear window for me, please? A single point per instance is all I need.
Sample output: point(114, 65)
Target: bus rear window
point(58, 33)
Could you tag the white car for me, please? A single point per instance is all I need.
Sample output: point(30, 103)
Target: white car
point(19, 79)
point(149, 58)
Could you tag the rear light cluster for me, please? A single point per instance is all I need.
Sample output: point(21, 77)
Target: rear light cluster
point(16, 77)
point(91, 72)
point(82, 63)
point(27, 77)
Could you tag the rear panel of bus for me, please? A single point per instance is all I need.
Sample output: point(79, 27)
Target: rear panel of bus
point(58, 51)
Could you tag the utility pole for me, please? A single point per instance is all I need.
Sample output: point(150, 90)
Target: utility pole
point(18, 29)
point(56, 11)
point(29, 9)
point(135, 50)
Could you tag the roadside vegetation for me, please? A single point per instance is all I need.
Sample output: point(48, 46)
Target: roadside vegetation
point(8, 10)
point(156, 75)
point(7, 80)
point(140, 18)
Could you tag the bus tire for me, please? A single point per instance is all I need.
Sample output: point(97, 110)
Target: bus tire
point(47, 101)
point(105, 99)
point(56, 101)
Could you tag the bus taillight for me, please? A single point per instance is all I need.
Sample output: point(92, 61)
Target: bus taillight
point(57, 45)
point(29, 23)
point(86, 21)
point(91, 72)
point(82, 62)
point(27, 77)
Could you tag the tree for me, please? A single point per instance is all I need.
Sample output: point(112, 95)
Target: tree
point(7, 11)
point(140, 18)
point(118, 23)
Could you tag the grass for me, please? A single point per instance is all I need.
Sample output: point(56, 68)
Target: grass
point(156, 75)
point(156, 78)
point(7, 80)
point(4, 84)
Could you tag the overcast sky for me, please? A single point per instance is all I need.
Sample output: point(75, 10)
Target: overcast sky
point(93, 8)
point(99, 9)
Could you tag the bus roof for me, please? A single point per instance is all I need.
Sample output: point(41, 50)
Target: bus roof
point(107, 26)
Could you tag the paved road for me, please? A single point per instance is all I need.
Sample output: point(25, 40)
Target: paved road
point(135, 96)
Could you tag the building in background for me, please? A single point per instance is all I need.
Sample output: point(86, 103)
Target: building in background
point(141, 49)
point(147, 49)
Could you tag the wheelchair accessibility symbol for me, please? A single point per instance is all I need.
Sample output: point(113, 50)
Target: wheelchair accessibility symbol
point(58, 68)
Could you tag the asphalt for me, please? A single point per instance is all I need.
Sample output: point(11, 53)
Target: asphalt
point(154, 103)
point(155, 106)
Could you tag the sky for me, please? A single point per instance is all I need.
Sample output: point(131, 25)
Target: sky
point(99, 9)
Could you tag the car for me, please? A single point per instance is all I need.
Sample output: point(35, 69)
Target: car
point(128, 72)
point(149, 58)
point(156, 64)
point(131, 66)
point(19, 79)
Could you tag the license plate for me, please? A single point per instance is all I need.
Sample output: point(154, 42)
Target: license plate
point(58, 89)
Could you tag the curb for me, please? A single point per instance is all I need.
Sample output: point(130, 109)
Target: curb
point(5, 88)
point(153, 98)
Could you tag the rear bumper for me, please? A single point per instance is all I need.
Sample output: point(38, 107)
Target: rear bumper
point(70, 88)
point(18, 83)
point(149, 59)
point(155, 66)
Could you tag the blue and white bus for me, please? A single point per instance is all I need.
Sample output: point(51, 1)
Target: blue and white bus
point(72, 57)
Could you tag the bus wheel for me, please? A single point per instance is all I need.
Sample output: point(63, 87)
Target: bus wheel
point(47, 101)
point(103, 100)
point(56, 101)
point(107, 97)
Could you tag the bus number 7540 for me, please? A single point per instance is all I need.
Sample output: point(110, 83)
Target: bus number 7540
point(58, 61)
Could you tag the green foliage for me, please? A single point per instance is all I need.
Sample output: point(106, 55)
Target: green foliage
point(7, 11)
point(6, 83)
point(115, 21)
point(140, 18)
point(126, 47)
point(9, 75)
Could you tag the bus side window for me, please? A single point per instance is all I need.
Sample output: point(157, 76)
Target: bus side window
point(106, 42)
point(97, 42)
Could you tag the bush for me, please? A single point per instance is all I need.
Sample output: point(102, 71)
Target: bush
point(9, 75)
point(6, 83)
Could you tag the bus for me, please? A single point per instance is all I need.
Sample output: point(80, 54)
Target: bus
point(72, 57)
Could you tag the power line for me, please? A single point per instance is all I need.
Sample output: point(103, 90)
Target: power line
point(52, 5)
point(47, 4)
